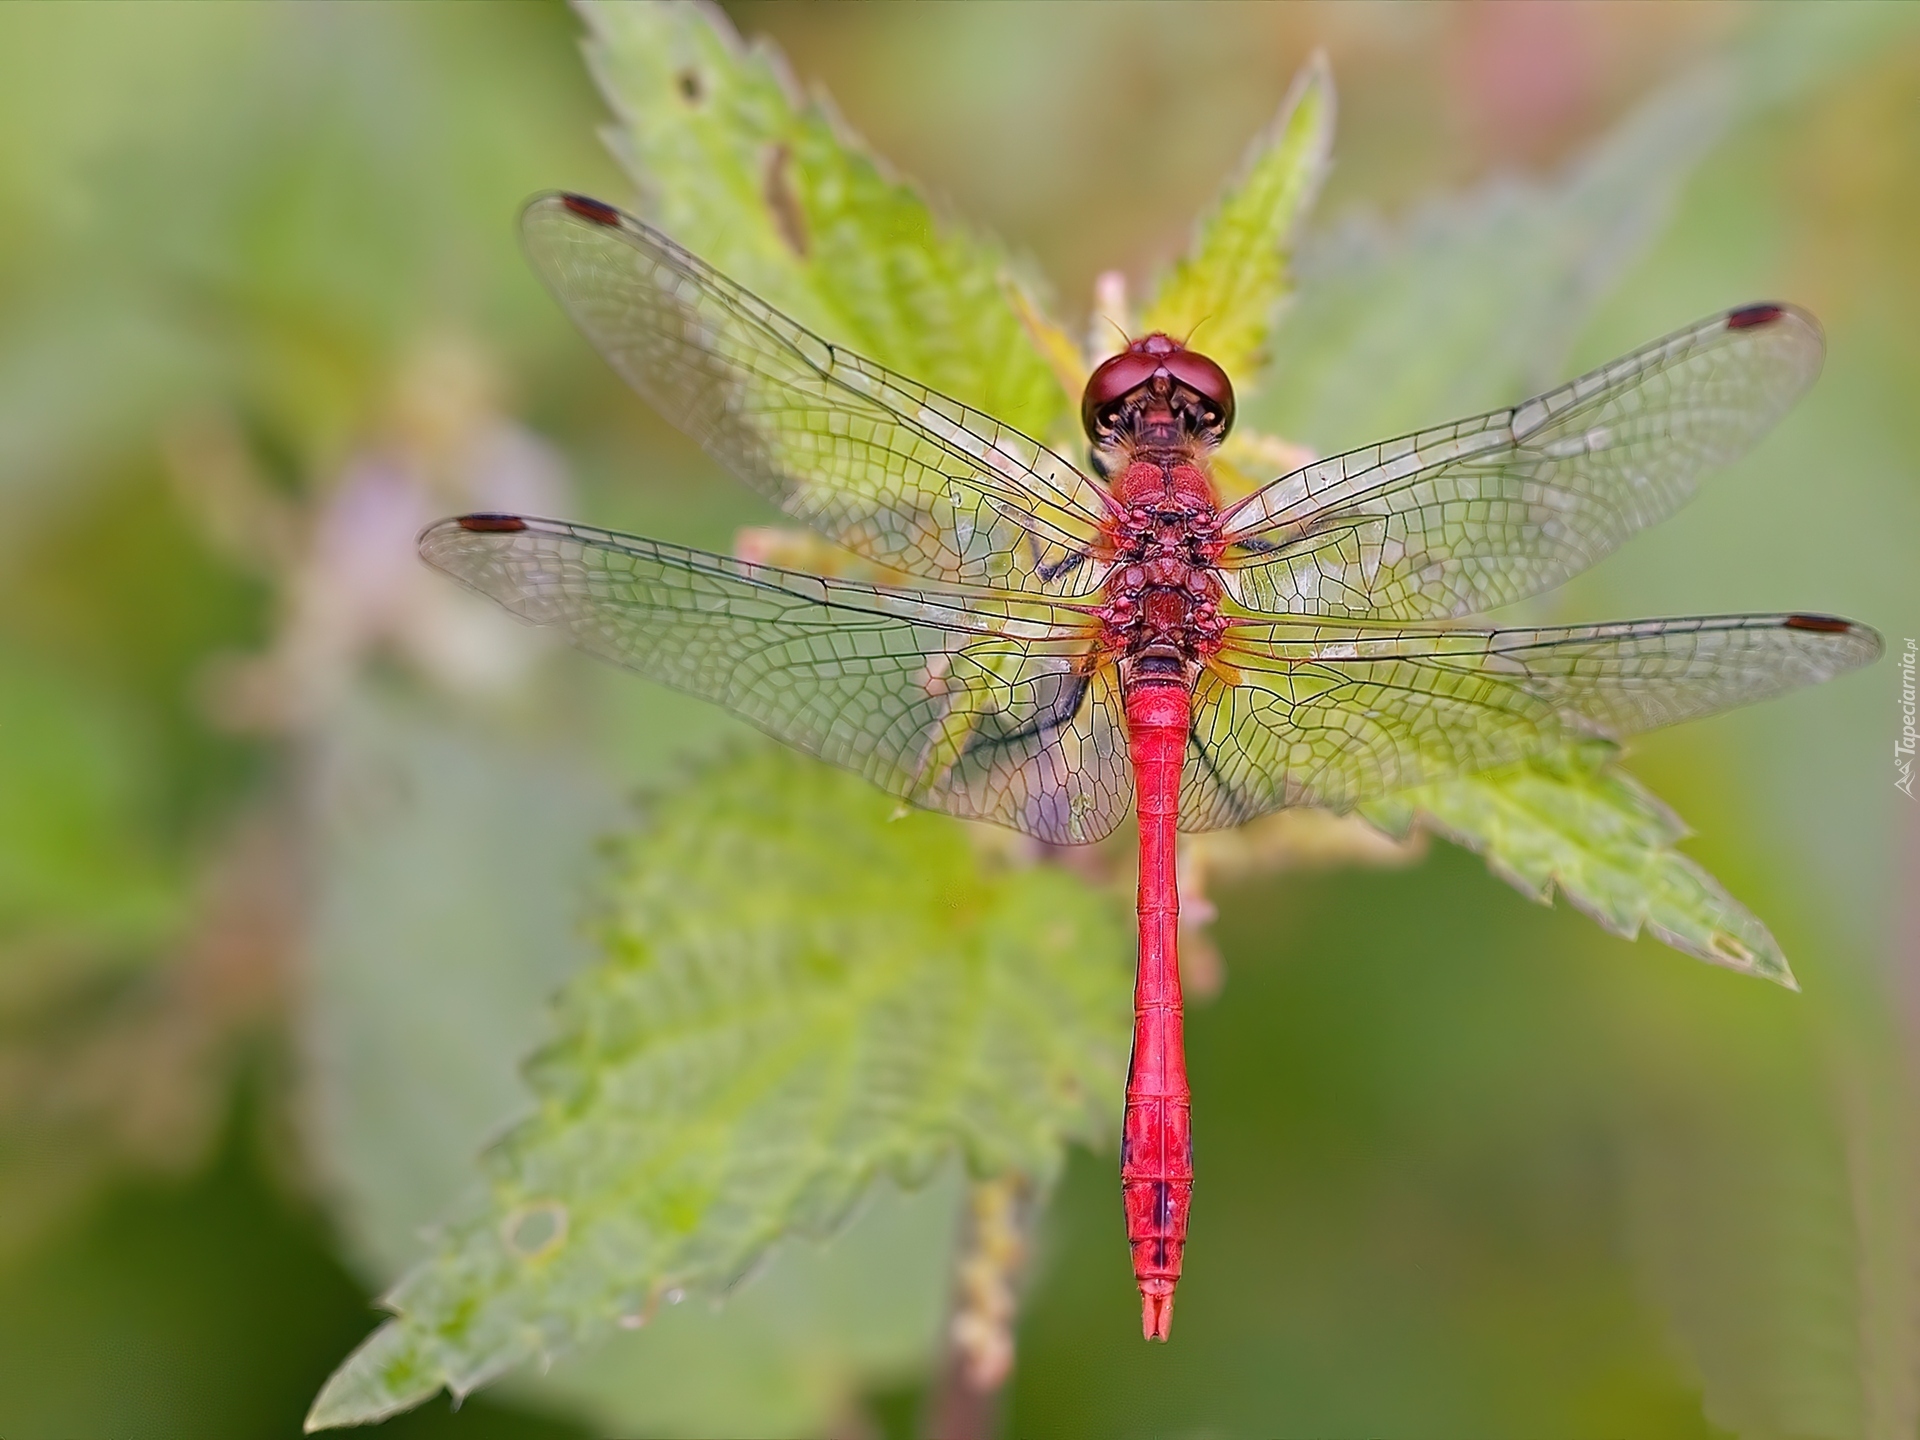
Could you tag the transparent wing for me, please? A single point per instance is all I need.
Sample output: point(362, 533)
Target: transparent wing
point(973, 705)
point(893, 471)
point(1327, 716)
point(1473, 515)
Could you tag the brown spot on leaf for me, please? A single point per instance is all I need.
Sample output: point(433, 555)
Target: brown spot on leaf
point(783, 203)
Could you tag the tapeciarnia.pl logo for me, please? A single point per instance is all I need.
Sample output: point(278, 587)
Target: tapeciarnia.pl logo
point(1903, 747)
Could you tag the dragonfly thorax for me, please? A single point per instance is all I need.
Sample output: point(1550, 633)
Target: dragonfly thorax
point(1163, 594)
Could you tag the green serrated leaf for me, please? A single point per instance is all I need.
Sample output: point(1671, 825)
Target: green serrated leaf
point(775, 191)
point(1573, 821)
point(442, 921)
point(1234, 277)
point(798, 995)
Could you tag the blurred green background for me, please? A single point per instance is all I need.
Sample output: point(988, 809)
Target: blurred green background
point(293, 842)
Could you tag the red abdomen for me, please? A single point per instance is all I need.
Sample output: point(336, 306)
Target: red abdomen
point(1156, 1150)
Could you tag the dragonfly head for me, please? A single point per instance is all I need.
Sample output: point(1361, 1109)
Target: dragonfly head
point(1157, 392)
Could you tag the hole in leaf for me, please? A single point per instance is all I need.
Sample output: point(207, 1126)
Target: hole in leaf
point(1728, 948)
point(537, 1230)
point(691, 90)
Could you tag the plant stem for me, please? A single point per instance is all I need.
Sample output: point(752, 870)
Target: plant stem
point(965, 1404)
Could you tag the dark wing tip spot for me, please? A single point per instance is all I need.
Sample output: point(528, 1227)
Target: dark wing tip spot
point(492, 524)
point(1749, 316)
point(587, 208)
point(1819, 624)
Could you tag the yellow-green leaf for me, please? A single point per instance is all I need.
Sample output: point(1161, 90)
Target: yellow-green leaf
point(1225, 290)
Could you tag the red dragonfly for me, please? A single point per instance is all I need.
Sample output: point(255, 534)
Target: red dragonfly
point(1122, 639)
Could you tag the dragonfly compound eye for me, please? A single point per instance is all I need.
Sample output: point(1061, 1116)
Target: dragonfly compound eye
point(1160, 358)
point(1112, 382)
point(1208, 381)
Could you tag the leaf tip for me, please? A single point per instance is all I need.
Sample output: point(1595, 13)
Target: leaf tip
point(379, 1379)
point(1317, 76)
point(1313, 85)
point(1766, 961)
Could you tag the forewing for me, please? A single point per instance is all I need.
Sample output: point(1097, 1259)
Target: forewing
point(893, 471)
point(972, 705)
point(1474, 515)
point(1317, 715)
